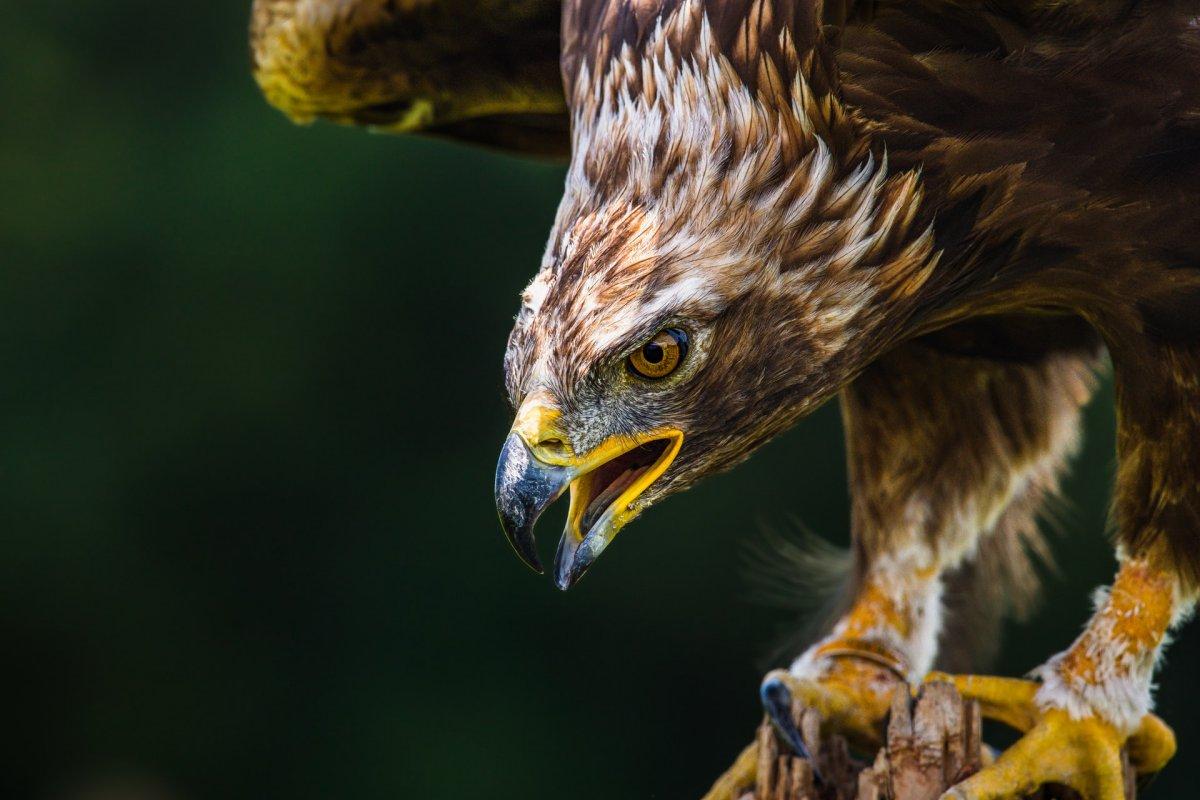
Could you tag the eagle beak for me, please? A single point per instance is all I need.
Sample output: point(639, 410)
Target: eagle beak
point(538, 464)
point(525, 486)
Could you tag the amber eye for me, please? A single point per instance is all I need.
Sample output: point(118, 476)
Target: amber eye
point(659, 357)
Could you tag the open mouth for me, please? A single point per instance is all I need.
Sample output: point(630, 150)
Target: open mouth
point(611, 488)
point(607, 487)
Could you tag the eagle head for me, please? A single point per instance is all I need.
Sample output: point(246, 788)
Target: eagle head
point(719, 265)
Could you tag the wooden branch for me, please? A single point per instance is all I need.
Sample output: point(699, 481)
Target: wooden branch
point(933, 742)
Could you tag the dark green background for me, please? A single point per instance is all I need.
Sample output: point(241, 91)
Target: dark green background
point(249, 409)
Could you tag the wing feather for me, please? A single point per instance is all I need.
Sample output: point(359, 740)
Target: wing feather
point(492, 71)
point(484, 71)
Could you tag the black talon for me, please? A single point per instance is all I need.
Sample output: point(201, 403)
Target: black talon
point(777, 702)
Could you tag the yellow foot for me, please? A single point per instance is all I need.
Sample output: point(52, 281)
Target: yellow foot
point(853, 697)
point(1082, 754)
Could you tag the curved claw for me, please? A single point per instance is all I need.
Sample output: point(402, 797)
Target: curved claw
point(852, 699)
point(777, 702)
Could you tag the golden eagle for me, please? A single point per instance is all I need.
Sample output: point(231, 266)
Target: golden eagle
point(943, 213)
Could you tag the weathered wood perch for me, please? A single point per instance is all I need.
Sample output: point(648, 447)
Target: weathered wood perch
point(934, 740)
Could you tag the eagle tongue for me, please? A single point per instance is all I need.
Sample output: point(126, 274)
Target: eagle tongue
point(602, 501)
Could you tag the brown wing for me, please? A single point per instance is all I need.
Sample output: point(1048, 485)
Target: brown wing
point(488, 71)
point(485, 71)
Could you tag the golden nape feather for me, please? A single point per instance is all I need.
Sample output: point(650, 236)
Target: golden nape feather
point(942, 214)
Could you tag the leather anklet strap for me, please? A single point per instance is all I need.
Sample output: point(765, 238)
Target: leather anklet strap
point(866, 651)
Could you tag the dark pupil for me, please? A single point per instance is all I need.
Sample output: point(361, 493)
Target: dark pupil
point(653, 353)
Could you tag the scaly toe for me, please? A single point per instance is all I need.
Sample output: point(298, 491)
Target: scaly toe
point(1007, 700)
point(1083, 754)
point(1151, 746)
point(1012, 701)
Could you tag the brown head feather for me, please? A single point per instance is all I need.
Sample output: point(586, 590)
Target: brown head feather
point(715, 184)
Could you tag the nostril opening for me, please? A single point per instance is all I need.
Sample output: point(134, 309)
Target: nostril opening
point(553, 445)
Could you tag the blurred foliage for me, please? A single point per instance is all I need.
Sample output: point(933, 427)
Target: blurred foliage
point(251, 402)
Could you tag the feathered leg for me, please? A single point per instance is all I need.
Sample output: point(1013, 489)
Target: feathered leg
point(941, 446)
point(945, 445)
point(1096, 697)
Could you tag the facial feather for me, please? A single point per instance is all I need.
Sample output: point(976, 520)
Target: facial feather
point(696, 196)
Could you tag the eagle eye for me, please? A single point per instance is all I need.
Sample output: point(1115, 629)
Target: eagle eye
point(660, 356)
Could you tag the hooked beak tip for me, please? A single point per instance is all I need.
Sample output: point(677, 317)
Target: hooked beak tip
point(533, 562)
point(521, 538)
point(524, 487)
